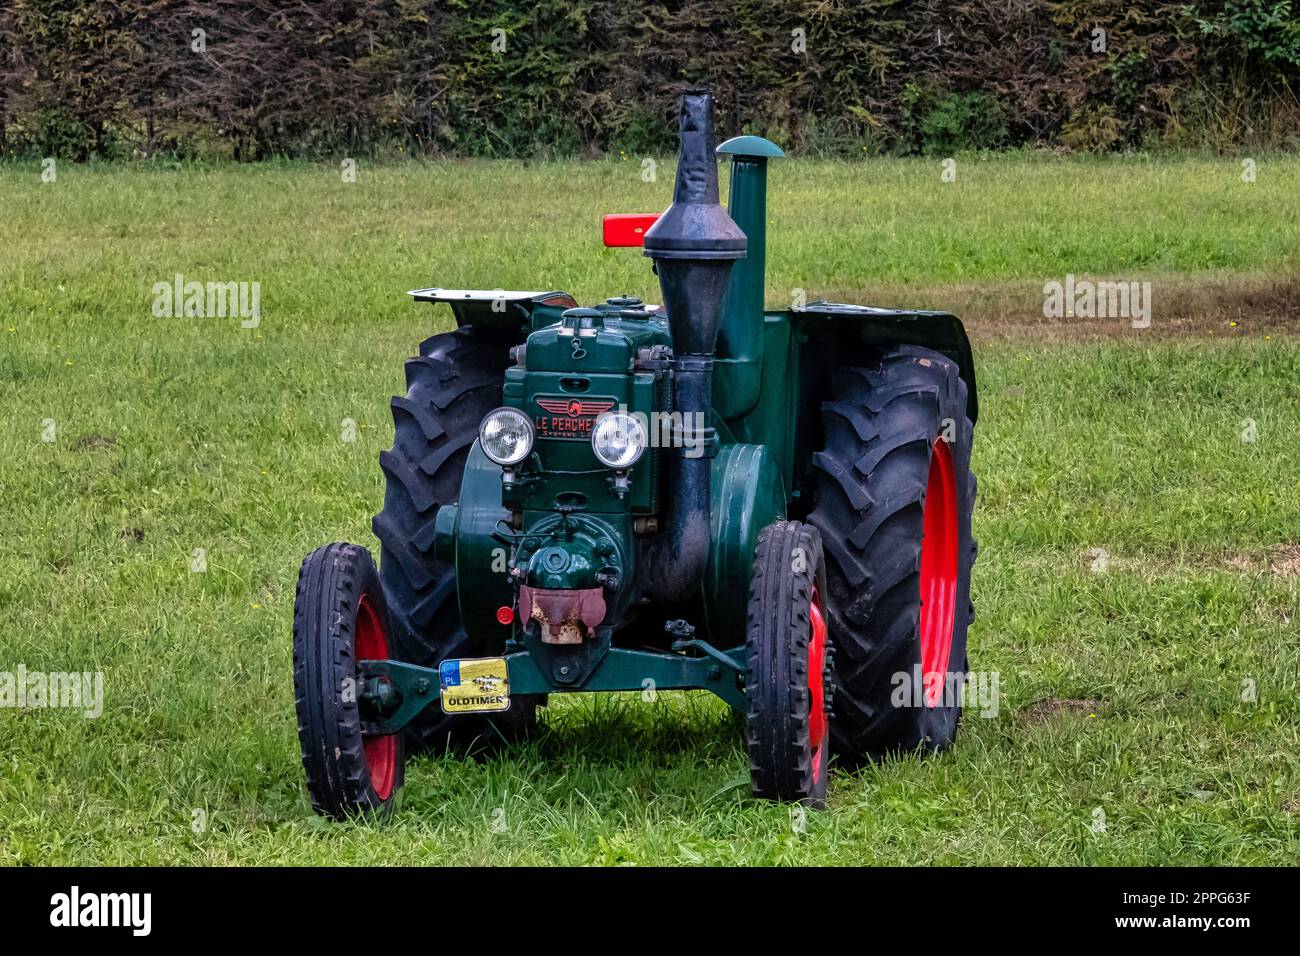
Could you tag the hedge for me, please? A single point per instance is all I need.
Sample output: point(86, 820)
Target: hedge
point(255, 78)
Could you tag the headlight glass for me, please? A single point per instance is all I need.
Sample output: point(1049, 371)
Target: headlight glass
point(618, 439)
point(506, 436)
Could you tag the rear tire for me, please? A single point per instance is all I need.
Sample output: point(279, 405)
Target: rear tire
point(788, 675)
point(455, 381)
point(339, 618)
point(893, 505)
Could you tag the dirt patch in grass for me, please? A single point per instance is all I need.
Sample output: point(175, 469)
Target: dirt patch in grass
point(1285, 561)
point(94, 442)
point(1210, 305)
point(1282, 561)
point(1044, 710)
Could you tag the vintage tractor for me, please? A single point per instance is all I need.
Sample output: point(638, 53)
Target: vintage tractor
point(774, 506)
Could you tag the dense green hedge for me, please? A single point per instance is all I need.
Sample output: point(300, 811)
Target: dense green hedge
point(123, 77)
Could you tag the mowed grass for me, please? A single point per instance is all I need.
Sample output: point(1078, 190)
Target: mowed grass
point(1153, 681)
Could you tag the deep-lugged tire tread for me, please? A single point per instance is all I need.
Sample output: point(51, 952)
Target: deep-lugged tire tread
point(880, 422)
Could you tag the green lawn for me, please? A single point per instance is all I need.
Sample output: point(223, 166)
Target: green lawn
point(1122, 671)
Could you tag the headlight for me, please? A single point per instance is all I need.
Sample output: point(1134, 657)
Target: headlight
point(618, 439)
point(506, 436)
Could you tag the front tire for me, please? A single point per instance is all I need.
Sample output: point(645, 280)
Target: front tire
point(339, 618)
point(787, 679)
point(893, 504)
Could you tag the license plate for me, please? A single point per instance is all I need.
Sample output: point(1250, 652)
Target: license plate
point(474, 685)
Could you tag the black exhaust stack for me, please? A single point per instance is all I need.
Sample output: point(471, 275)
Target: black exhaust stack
point(694, 245)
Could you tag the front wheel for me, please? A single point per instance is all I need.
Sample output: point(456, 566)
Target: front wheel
point(339, 618)
point(787, 682)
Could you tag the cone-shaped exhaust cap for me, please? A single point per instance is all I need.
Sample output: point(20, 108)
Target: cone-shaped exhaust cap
point(695, 226)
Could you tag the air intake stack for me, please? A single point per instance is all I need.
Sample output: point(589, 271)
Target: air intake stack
point(694, 245)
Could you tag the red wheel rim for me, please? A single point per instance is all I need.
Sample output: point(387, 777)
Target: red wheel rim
point(380, 752)
point(938, 572)
point(817, 682)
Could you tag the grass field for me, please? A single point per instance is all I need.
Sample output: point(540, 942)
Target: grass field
point(1126, 673)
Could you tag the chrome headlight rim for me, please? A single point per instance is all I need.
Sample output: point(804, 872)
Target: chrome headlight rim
point(629, 423)
point(505, 411)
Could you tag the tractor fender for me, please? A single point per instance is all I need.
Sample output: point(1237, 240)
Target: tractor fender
point(748, 495)
point(843, 330)
point(501, 310)
point(466, 532)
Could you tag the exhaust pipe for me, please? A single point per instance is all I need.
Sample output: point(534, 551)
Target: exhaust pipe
point(694, 245)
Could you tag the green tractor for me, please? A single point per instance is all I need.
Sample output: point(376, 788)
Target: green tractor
point(774, 506)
